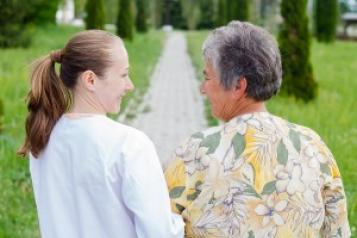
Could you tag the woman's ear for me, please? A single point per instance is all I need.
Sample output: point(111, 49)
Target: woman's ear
point(239, 89)
point(87, 79)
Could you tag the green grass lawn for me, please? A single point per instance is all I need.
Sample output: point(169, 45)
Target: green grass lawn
point(17, 208)
point(332, 115)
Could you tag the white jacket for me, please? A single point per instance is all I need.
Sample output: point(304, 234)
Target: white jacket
point(98, 178)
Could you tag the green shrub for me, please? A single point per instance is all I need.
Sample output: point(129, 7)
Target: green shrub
point(191, 12)
point(294, 41)
point(238, 10)
point(141, 16)
point(95, 18)
point(14, 15)
point(125, 21)
point(1, 116)
point(326, 13)
point(221, 18)
point(44, 11)
point(156, 12)
point(176, 16)
point(111, 11)
point(207, 14)
point(79, 8)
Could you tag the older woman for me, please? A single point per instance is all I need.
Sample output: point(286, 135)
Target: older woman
point(256, 175)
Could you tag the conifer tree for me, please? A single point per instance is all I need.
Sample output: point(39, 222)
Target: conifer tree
point(326, 12)
point(95, 18)
point(238, 10)
point(125, 21)
point(221, 18)
point(294, 41)
point(141, 25)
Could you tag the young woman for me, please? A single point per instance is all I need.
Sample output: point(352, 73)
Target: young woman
point(92, 176)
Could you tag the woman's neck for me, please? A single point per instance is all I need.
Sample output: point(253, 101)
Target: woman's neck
point(85, 104)
point(245, 107)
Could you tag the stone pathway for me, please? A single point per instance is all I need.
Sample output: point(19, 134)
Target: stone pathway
point(173, 103)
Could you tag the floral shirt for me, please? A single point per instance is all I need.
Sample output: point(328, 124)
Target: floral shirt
point(257, 176)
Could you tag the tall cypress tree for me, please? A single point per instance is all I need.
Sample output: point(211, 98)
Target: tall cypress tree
point(95, 18)
point(231, 9)
point(242, 13)
point(157, 12)
point(141, 25)
point(207, 14)
point(79, 8)
point(326, 12)
point(221, 18)
point(294, 41)
point(111, 10)
point(191, 12)
point(125, 21)
point(238, 10)
point(176, 18)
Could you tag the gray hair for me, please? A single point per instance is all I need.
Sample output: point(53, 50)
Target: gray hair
point(241, 49)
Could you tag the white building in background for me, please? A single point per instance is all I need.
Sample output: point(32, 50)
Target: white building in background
point(65, 14)
point(353, 5)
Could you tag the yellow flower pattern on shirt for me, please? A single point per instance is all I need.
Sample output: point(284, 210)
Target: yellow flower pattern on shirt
point(257, 176)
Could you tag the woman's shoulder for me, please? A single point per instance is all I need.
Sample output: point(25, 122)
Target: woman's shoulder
point(99, 128)
point(200, 136)
point(131, 131)
point(130, 134)
point(137, 151)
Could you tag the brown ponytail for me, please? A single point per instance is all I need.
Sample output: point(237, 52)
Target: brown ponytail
point(47, 100)
point(49, 96)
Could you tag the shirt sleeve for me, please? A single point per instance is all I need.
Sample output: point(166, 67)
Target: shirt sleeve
point(176, 181)
point(336, 220)
point(145, 193)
